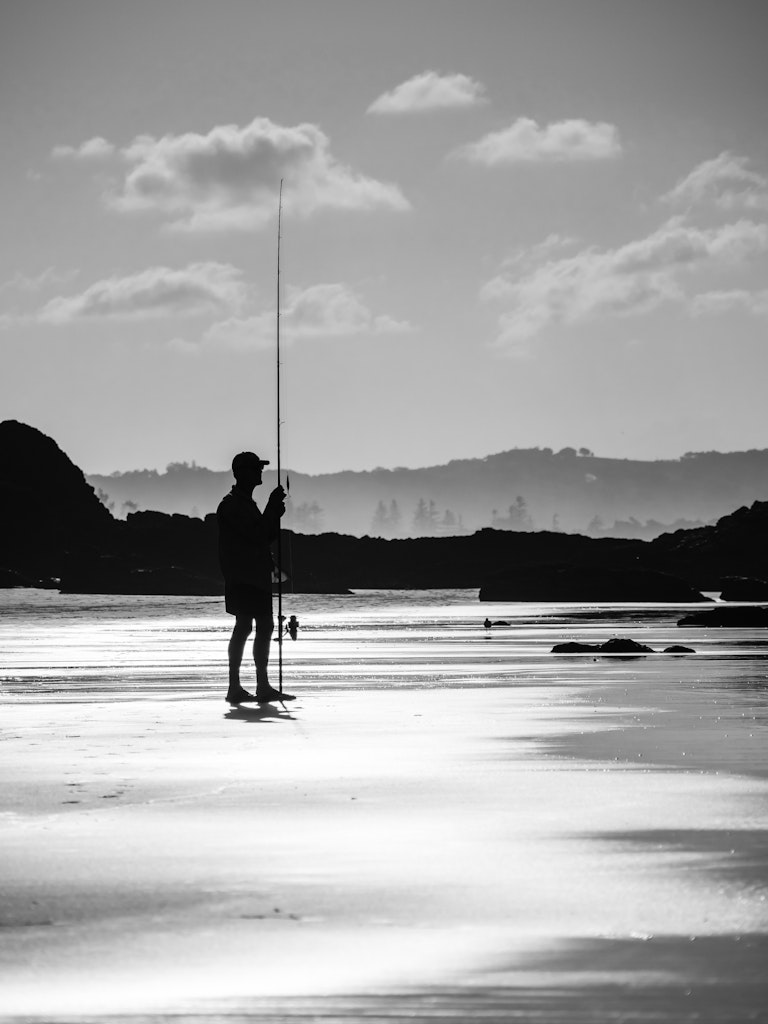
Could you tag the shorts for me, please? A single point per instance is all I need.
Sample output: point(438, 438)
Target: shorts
point(245, 599)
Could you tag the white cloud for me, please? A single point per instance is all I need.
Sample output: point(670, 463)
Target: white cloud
point(36, 282)
point(726, 301)
point(430, 91)
point(522, 259)
point(726, 181)
point(526, 142)
point(631, 279)
point(229, 178)
point(155, 292)
point(93, 149)
point(319, 311)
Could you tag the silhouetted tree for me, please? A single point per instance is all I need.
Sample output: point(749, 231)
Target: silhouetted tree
point(380, 521)
point(386, 520)
point(517, 518)
point(395, 518)
point(425, 517)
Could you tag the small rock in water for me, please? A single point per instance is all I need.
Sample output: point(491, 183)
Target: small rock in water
point(625, 646)
point(678, 649)
point(574, 648)
point(615, 646)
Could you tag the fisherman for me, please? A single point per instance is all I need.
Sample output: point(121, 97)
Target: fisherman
point(292, 629)
point(245, 535)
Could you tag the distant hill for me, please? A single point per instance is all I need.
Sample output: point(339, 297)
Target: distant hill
point(56, 532)
point(519, 489)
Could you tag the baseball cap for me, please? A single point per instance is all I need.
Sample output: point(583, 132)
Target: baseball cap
point(245, 460)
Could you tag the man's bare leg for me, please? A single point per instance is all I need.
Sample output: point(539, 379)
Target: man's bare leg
point(236, 693)
point(265, 626)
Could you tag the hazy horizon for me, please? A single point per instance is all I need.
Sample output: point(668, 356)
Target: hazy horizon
point(529, 223)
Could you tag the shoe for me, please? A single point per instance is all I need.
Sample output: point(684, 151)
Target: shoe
point(264, 694)
point(239, 695)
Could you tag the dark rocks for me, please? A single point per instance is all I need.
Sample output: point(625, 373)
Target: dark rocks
point(48, 508)
point(737, 545)
point(10, 578)
point(162, 580)
point(55, 526)
point(743, 617)
point(621, 646)
point(743, 588)
point(585, 583)
point(574, 647)
point(625, 646)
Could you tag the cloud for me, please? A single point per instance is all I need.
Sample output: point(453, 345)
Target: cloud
point(523, 259)
point(726, 181)
point(319, 311)
point(430, 91)
point(36, 282)
point(155, 292)
point(727, 301)
point(229, 178)
point(93, 149)
point(563, 141)
point(631, 279)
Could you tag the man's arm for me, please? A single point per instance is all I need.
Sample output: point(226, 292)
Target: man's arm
point(274, 510)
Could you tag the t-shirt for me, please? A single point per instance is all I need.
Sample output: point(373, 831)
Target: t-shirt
point(245, 534)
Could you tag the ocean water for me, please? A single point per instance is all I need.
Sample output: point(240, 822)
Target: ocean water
point(56, 647)
point(76, 645)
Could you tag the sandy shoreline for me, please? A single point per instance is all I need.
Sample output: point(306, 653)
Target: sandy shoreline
point(554, 851)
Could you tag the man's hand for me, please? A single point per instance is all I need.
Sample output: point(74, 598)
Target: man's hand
point(276, 501)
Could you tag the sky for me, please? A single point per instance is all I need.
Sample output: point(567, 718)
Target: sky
point(505, 223)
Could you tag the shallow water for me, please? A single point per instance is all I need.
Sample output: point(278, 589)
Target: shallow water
point(81, 647)
point(78, 644)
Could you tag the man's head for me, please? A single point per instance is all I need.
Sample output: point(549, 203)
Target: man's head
point(247, 468)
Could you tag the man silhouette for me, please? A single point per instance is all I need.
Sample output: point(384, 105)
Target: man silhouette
point(245, 535)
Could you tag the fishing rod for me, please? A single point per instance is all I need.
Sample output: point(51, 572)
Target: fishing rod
point(279, 481)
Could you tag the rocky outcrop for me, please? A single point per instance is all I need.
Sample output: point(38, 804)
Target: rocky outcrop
point(737, 545)
point(50, 514)
point(9, 578)
point(583, 583)
point(54, 526)
point(743, 617)
point(104, 577)
point(743, 588)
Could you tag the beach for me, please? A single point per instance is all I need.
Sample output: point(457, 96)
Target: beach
point(448, 823)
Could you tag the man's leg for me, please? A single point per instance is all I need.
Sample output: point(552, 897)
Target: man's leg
point(265, 627)
point(240, 633)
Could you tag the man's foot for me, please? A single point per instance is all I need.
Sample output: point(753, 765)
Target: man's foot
point(264, 694)
point(239, 695)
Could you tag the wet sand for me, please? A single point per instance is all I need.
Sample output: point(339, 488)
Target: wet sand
point(451, 827)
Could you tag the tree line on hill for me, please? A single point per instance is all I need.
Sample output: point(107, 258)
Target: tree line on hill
point(572, 490)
